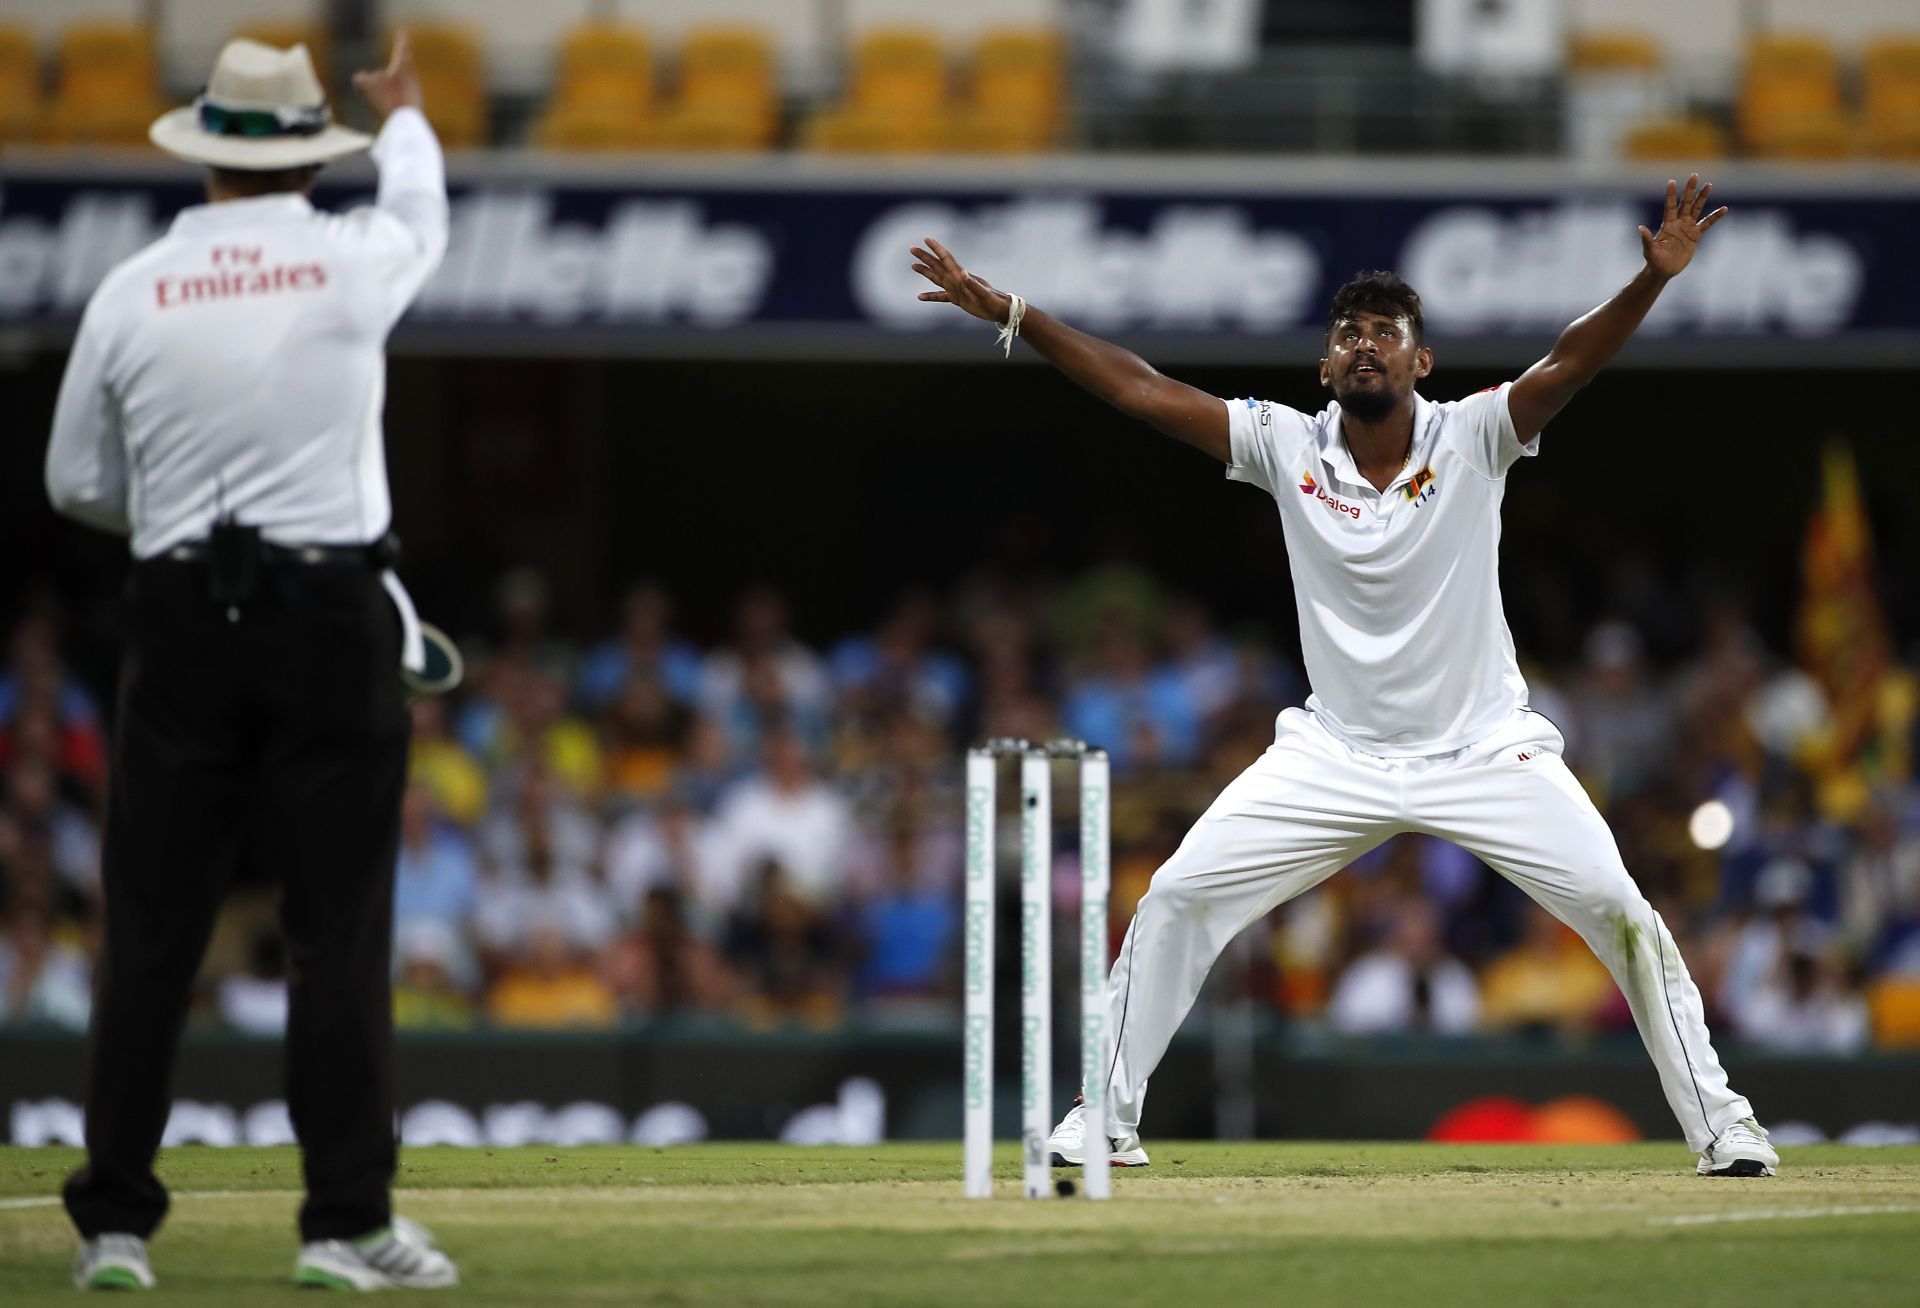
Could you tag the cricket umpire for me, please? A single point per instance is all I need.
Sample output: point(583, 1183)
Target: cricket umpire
point(222, 409)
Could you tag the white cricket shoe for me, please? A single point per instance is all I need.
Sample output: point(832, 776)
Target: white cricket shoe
point(1741, 1150)
point(112, 1262)
point(401, 1256)
point(1066, 1147)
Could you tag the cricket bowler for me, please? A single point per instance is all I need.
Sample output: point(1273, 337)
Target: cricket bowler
point(1418, 720)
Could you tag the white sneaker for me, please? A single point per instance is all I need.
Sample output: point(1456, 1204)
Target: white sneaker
point(1741, 1150)
point(1067, 1145)
point(112, 1262)
point(401, 1256)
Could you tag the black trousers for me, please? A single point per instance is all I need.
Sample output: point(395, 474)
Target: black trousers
point(280, 738)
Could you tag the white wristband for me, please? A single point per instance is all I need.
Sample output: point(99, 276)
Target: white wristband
point(1011, 327)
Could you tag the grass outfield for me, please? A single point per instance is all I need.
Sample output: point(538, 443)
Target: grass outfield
point(1213, 1224)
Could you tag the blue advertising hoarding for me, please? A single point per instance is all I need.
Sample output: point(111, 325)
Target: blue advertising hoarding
point(1219, 262)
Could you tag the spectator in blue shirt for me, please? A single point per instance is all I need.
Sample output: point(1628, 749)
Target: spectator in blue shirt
point(645, 647)
point(436, 873)
point(907, 929)
point(1141, 720)
point(899, 665)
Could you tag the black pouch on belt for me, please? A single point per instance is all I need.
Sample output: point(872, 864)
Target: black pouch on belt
point(236, 559)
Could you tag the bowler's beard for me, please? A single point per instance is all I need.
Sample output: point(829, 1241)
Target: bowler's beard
point(1367, 403)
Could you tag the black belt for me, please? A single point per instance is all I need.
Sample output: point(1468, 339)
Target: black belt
point(376, 555)
point(239, 560)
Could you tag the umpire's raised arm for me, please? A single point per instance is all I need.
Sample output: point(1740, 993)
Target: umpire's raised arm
point(1120, 377)
point(408, 224)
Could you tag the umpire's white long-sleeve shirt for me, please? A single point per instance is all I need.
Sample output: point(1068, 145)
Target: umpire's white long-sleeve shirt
point(237, 366)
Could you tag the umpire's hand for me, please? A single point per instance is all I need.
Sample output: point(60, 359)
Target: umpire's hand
point(397, 85)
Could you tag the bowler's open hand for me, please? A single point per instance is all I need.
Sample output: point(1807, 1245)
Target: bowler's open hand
point(957, 285)
point(1671, 248)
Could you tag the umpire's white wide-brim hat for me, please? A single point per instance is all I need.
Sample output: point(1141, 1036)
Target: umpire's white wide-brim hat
point(263, 109)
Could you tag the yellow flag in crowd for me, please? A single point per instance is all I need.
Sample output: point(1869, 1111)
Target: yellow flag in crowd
point(1845, 645)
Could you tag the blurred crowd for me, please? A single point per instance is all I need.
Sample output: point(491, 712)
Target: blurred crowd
point(767, 830)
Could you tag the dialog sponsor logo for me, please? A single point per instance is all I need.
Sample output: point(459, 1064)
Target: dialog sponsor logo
point(1308, 486)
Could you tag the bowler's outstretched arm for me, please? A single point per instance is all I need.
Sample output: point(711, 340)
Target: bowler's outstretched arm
point(1588, 342)
point(1120, 377)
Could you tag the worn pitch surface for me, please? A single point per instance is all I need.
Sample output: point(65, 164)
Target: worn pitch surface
point(1207, 1226)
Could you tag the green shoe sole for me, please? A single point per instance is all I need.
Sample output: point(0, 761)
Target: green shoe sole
point(313, 1278)
point(114, 1278)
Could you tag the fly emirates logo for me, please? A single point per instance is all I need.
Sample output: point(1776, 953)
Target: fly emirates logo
point(238, 270)
point(1308, 486)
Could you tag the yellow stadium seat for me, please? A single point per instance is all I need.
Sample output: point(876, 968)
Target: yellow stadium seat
point(20, 99)
point(1892, 139)
point(856, 129)
point(1890, 98)
point(452, 81)
point(602, 88)
point(284, 36)
point(727, 96)
point(1676, 138)
point(447, 50)
point(122, 124)
point(105, 61)
point(106, 92)
point(593, 127)
point(1807, 137)
point(726, 66)
point(1613, 52)
point(714, 128)
point(605, 65)
point(1797, 51)
point(1016, 75)
point(899, 70)
point(1021, 45)
point(973, 130)
point(1768, 97)
point(1895, 55)
point(896, 98)
point(1790, 104)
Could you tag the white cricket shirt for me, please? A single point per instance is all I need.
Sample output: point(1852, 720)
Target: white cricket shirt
point(238, 364)
point(1405, 641)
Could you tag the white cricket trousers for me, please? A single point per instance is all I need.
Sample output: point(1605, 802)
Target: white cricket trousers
point(1311, 805)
